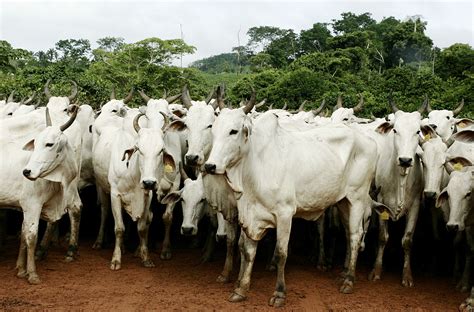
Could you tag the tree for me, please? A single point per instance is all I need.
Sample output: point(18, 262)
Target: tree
point(456, 61)
point(351, 22)
point(314, 39)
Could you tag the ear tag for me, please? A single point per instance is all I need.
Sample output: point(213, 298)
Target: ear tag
point(384, 215)
point(168, 168)
point(458, 166)
point(427, 137)
point(462, 125)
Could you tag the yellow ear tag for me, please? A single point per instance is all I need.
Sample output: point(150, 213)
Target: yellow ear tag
point(458, 166)
point(168, 168)
point(384, 215)
point(462, 125)
point(427, 137)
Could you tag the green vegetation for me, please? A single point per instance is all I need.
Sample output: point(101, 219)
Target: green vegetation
point(354, 54)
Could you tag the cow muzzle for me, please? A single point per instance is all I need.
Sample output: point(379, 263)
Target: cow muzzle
point(405, 162)
point(188, 231)
point(430, 195)
point(210, 168)
point(192, 160)
point(27, 174)
point(452, 227)
point(149, 185)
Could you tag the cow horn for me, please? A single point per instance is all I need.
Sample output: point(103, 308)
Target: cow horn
point(75, 109)
point(219, 102)
point(136, 126)
point(165, 94)
point(428, 107)
point(358, 108)
point(48, 118)
point(339, 102)
point(38, 102)
point(301, 108)
point(285, 106)
point(459, 108)
point(392, 104)
point(211, 95)
point(270, 107)
point(250, 104)
point(423, 105)
point(173, 98)
point(128, 98)
point(261, 103)
point(74, 91)
point(166, 120)
point(46, 89)
point(10, 98)
point(30, 98)
point(112, 94)
point(320, 108)
point(185, 97)
point(145, 97)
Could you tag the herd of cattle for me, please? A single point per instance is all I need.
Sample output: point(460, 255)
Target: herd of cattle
point(252, 171)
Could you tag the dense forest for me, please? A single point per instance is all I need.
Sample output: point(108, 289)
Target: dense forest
point(352, 55)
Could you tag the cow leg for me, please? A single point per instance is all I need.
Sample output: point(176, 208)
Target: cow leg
point(229, 257)
point(334, 225)
point(468, 304)
point(283, 237)
point(459, 244)
point(104, 202)
point(3, 228)
point(248, 249)
point(343, 209)
point(29, 232)
point(75, 219)
point(210, 244)
point(412, 216)
point(321, 265)
point(375, 274)
point(46, 241)
point(116, 262)
point(463, 284)
point(143, 227)
point(167, 220)
point(356, 231)
point(21, 261)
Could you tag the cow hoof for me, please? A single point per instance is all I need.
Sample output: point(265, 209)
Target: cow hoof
point(115, 265)
point(165, 255)
point(407, 282)
point(271, 268)
point(235, 297)
point(222, 279)
point(347, 287)
point(276, 302)
point(40, 254)
point(322, 268)
point(148, 264)
point(69, 258)
point(466, 306)
point(373, 277)
point(97, 245)
point(33, 279)
point(205, 258)
point(22, 274)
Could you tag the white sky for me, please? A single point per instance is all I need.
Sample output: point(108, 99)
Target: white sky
point(211, 26)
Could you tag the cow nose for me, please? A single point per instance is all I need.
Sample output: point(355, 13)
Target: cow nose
point(26, 172)
point(220, 238)
point(191, 159)
point(404, 161)
point(433, 126)
point(210, 168)
point(187, 231)
point(452, 227)
point(430, 195)
point(149, 184)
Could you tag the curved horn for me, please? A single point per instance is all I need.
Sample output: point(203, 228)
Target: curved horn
point(165, 94)
point(46, 89)
point(38, 103)
point(10, 97)
point(185, 97)
point(339, 102)
point(285, 106)
point(112, 93)
point(392, 104)
point(301, 108)
point(459, 108)
point(320, 108)
point(166, 120)
point(428, 108)
point(261, 103)
point(219, 98)
point(211, 95)
point(75, 109)
point(173, 98)
point(423, 105)
point(270, 107)
point(128, 98)
point(74, 91)
point(48, 118)
point(250, 103)
point(358, 108)
point(136, 126)
point(145, 97)
point(30, 98)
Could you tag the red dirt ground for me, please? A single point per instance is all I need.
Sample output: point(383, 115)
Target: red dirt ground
point(181, 284)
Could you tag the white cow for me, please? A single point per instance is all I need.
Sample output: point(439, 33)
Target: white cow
point(443, 121)
point(12, 108)
point(277, 174)
point(50, 168)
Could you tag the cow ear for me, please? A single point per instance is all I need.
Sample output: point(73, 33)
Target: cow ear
point(427, 133)
point(464, 123)
point(466, 136)
point(442, 198)
point(30, 146)
point(127, 154)
point(171, 198)
point(169, 164)
point(177, 125)
point(384, 128)
point(456, 164)
point(384, 211)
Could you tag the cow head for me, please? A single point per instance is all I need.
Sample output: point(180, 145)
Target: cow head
point(458, 194)
point(193, 199)
point(433, 157)
point(49, 149)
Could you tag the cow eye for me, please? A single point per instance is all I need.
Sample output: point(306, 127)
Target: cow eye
point(345, 119)
point(114, 111)
point(447, 117)
point(10, 114)
point(394, 131)
point(65, 110)
point(202, 200)
point(210, 126)
point(418, 132)
point(49, 144)
point(233, 132)
point(468, 194)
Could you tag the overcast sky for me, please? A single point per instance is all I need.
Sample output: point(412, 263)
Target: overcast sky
point(211, 26)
